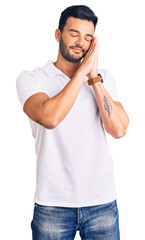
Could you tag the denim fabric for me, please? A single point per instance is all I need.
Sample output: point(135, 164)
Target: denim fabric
point(99, 222)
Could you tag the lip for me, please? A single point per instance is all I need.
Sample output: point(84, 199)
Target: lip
point(77, 49)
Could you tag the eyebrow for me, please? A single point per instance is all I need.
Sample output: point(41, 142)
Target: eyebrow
point(73, 30)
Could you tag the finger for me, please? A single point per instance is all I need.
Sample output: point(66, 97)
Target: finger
point(96, 41)
point(96, 45)
point(92, 47)
point(95, 37)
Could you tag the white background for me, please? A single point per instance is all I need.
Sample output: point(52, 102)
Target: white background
point(27, 41)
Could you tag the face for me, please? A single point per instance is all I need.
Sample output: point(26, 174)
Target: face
point(75, 39)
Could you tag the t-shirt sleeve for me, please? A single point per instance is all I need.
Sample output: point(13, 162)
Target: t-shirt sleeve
point(27, 85)
point(110, 84)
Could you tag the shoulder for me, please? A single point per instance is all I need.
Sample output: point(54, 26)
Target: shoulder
point(29, 83)
point(109, 83)
point(29, 76)
point(108, 79)
point(106, 75)
point(35, 73)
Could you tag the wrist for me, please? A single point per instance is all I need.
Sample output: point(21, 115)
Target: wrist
point(93, 74)
point(95, 80)
point(81, 72)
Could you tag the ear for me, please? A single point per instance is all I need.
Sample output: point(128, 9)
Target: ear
point(57, 35)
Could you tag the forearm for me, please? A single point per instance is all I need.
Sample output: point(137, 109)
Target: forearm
point(57, 107)
point(113, 115)
point(60, 104)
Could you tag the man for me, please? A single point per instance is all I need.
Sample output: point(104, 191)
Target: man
point(70, 104)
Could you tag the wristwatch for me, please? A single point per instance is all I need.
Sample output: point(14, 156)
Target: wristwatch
point(95, 79)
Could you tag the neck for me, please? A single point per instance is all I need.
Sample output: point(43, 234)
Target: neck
point(68, 68)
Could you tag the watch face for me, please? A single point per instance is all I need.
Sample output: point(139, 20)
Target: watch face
point(100, 77)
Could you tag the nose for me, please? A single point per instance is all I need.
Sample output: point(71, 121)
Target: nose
point(80, 41)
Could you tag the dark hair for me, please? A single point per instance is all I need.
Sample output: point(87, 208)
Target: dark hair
point(77, 11)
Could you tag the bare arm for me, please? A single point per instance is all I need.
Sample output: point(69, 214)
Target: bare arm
point(113, 115)
point(49, 112)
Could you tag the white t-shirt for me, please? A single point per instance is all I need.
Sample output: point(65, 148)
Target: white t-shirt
point(74, 164)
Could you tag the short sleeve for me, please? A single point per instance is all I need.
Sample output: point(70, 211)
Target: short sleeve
point(110, 85)
point(27, 85)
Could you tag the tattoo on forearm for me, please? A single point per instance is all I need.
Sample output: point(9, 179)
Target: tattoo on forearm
point(107, 104)
point(38, 122)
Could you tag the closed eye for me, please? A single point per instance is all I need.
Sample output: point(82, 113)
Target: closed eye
point(87, 39)
point(74, 35)
point(84, 38)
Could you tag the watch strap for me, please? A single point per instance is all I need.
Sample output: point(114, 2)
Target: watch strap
point(95, 79)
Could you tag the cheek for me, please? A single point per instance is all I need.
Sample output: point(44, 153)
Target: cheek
point(71, 41)
point(88, 45)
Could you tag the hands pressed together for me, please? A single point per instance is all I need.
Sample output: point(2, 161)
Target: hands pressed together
point(90, 61)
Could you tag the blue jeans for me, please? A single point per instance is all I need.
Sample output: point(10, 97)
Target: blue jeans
point(99, 222)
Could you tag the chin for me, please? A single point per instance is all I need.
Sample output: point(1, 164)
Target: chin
point(77, 58)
